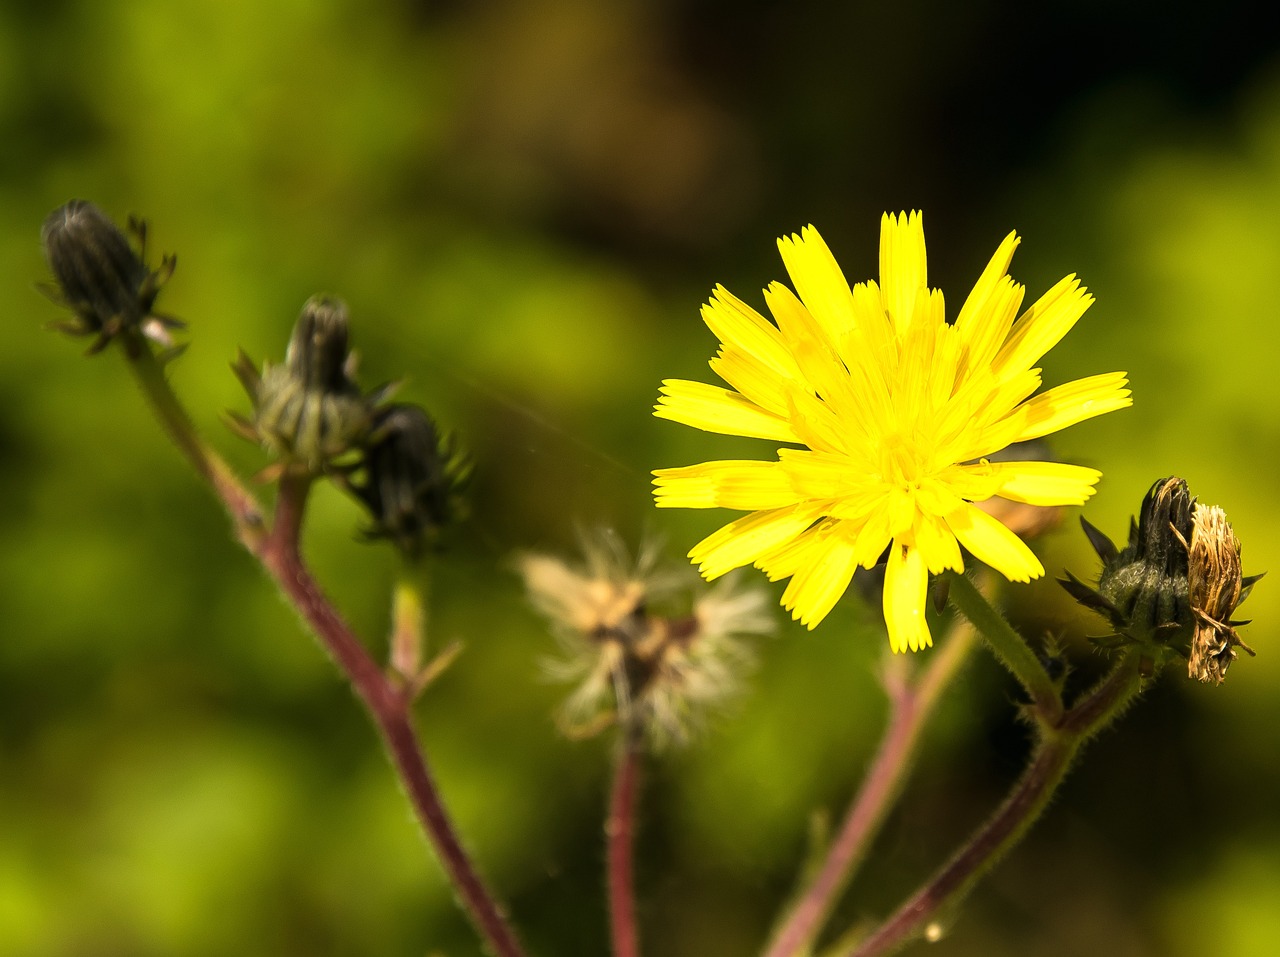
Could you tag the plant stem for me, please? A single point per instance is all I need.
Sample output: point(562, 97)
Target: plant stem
point(911, 705)
point(620, 839)
point(1027, 800)
point(240, 503)
point(388, 705)
point(1008, 646)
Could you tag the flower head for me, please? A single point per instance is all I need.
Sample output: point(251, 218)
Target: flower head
point(896, 412)
point(637, 659)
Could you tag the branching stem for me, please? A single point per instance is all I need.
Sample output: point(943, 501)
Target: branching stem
point(386, 699)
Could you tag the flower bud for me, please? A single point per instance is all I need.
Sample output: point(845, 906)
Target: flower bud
point(412, 478)
point(101, 278)
point(309, 411)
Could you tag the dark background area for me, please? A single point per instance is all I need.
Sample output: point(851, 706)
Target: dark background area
point(524, 203)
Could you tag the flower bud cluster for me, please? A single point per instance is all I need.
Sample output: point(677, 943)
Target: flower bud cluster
point(311, 414)
point(308, 412)
point(635, 663)
point(1174, 587)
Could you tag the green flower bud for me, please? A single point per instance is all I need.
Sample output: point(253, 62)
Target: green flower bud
point(309, 411)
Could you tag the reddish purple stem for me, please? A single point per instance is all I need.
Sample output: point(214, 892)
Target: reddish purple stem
point(620, 836)
point(389, 706)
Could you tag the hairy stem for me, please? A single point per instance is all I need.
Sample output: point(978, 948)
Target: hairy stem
point(911, 705)
point(620, 838)
point(1024, 804)
point(386, 702)
point(240, 503)
point(1008, 646)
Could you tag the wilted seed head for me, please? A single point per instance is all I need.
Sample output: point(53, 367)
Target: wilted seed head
point(635, 662)
point(413, 478)
point(1216, 588)
point(1173, 588)
point(308, 411)
point(101, 278)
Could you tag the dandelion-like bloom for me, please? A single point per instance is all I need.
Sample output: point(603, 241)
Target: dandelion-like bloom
point(897, 411)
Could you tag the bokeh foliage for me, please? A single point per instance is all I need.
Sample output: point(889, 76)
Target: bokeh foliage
point(524, 202)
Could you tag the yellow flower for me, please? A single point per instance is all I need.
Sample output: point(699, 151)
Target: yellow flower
point(896, 411)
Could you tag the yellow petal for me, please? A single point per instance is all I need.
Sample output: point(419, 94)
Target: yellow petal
point(903, 270)
point(820, 426)
point(937, 546)
point(752, 379)
point(819, 582)
point(714, 409)
point(813, 349)
point(816, 474)
point(819, 281)
point(873, 538)
point(1068, 404)
point(989, 325)
point(993, 276)
point(1042, 326)
point(737, 324)
point(990, 542)
point(1044, 483)
point(792, 555)
point(746, 485)
point(906, 584)
point(742, 542)
point(870, 353)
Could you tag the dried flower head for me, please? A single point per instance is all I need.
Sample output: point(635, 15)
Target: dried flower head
point(1216, 587)
point(309, 412)
point(102, 279)
point(1173, 588)
point(637, 661)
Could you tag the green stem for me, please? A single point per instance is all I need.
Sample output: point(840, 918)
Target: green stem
point(1029, 797)
point(910, 707)
point(240, 503)
point(1008, 646)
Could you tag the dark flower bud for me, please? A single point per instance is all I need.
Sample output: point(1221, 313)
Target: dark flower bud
point(309, 411)
point(413, 478)
point(1174, 586)
point(102, 278)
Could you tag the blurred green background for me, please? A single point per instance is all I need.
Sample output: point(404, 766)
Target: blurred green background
point(524, 203)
